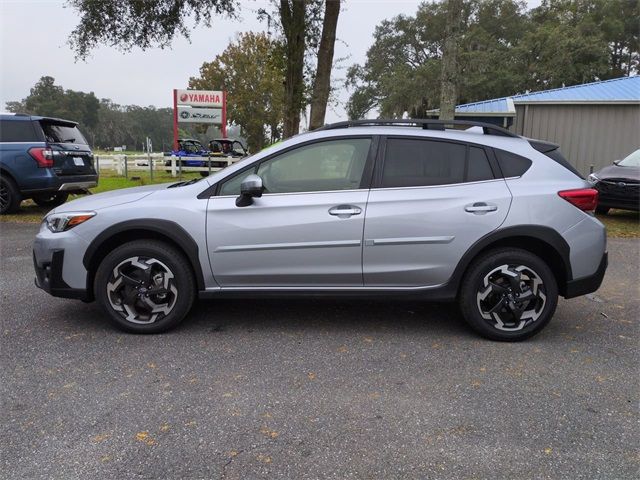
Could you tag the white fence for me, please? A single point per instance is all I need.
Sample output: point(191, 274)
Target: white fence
point(157, 162)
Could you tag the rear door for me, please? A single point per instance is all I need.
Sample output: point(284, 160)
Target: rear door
point(71, 153)
point(432, 200)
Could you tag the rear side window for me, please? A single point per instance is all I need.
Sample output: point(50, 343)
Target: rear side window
point(62, 133)
point(18, 131)
point(512, 165)
point(417, 162)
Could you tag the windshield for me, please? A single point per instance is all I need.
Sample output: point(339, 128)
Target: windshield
point(62, 133)
point(631, 160)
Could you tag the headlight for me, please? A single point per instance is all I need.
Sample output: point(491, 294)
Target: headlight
point(592, 179)
point(61, 222)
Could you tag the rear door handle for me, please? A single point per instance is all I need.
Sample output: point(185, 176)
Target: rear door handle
point(345, 211)
point(480, 208)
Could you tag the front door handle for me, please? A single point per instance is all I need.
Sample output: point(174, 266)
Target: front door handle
point(480, 208)
point(345, 211)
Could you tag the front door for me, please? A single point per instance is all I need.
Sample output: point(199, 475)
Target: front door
point(306, 229)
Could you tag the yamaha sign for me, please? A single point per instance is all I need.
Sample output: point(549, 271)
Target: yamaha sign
point(199, 106)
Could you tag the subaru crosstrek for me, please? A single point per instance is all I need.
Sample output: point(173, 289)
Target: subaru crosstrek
point(499, 222)
point(44, 159)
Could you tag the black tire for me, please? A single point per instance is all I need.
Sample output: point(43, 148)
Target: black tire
point(602, 210)
point(493, 286)
point(51, 200)
point(9, 196)
point(129, 294)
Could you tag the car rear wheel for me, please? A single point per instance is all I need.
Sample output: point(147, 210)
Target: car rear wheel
point(51, 200)
point(9, 196)
point(602, 210)
point(145, 286)
point(508, 295)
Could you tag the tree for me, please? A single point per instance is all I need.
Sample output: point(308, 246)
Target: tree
point(449, 70)
point(322, 82)
point(135, 23)
point(252, 71)
point(294, 27)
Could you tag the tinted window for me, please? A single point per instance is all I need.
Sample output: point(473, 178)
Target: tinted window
point(17, 131)
point(410, 162)
point(59, 133)
point(479, 168)
point(512, 165)
point(330, 165)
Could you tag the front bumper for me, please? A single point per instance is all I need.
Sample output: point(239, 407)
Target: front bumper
point(57, 260)
point(588, 284)
point(49, 278)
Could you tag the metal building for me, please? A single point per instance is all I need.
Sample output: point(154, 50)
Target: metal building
point(594, 124)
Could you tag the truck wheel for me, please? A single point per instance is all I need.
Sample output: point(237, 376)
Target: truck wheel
point(9, 196)
point(508, 295)
point(145, 286)
point(51, 200)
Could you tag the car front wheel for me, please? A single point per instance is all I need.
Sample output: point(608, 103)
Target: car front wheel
point(145, 286)
point(508, 295)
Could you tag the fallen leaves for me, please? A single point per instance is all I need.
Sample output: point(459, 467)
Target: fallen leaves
point(145, 438)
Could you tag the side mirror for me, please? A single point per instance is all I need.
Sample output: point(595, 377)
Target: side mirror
point(249, 188)
point(616, 162)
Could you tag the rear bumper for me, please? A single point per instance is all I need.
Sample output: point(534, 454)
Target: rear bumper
point(68, 183)
point(588, 284)
point(49, 278)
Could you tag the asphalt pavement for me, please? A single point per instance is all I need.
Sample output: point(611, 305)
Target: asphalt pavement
point(306, 389)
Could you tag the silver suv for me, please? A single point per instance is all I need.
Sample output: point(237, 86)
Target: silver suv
point(499, 222)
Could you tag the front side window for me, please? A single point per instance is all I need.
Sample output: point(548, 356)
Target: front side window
point(323, 166)
point(417, 162)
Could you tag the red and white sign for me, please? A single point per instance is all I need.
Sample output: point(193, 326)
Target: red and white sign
point(200, 98)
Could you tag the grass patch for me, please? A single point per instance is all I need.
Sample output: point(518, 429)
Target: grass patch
point(621, 223)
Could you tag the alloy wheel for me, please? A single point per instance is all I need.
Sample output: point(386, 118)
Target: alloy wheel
point(511, 297)
point(142, 290)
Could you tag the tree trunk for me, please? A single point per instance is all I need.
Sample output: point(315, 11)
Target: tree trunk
point(449, 74)
point(322, 83)
point(292, 14)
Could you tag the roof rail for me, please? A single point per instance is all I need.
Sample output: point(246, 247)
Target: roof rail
point(427, 124)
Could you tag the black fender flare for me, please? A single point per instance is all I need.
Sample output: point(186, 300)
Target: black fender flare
point(536, 232)
point(167, 228)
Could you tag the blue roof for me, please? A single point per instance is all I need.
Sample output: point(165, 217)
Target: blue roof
point(617, 90)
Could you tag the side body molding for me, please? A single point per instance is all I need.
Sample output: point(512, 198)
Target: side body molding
point(166, 228)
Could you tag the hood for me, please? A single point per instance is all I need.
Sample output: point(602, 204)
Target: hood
point(616, 171)
point(111, 198)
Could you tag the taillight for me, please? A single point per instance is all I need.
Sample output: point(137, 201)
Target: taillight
point(43, 156)
point(585, 199)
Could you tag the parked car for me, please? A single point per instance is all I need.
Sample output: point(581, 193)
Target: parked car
point(618, 184)
point(366, 208)
point(42, 158)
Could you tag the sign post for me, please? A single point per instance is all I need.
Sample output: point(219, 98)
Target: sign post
point(199, 106)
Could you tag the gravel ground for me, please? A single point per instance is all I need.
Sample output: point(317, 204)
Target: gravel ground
point(317, 388)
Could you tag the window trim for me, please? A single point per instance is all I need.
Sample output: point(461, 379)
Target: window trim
point(367, 173)
point(381, 157)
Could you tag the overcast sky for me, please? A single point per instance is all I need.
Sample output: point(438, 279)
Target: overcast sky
point(33, 43)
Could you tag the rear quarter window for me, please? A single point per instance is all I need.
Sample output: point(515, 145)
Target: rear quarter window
point(18, 131)
point(512, 165)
